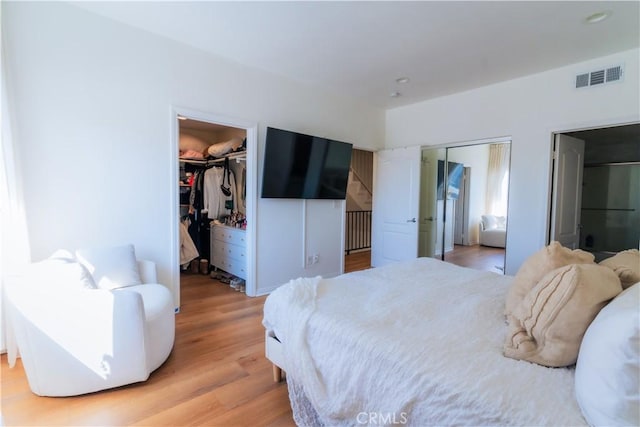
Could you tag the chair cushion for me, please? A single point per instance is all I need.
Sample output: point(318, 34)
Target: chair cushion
point(490, 222)
point(537, 265)
point(626, 265)
point(548, 325)
point(111, 267)
point(496, 238)
point(607, 374)
point(60, 271)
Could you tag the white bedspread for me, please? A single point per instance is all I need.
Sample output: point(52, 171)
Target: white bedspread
point(417, 342)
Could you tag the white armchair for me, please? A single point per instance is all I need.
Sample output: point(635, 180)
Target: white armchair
point(493, 231)
point(74, 338)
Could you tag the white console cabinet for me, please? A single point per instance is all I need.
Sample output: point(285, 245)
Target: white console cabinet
point(229, 249)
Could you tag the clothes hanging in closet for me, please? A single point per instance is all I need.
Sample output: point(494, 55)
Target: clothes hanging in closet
point(214, 200)
point(195, 198)
point(240, 203)
point(188, 250)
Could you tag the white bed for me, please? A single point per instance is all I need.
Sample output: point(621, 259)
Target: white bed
point(415, 343)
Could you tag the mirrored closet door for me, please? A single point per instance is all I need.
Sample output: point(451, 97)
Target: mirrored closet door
point(463, 204)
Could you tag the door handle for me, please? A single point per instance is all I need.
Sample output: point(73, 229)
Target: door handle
point(429, 219)
point(411, 220)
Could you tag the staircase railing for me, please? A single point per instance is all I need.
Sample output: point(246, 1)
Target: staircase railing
point(362, 168)
point(359, 178)
point(358, 231)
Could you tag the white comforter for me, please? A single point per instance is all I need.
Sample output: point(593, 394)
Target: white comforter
point(415, 343)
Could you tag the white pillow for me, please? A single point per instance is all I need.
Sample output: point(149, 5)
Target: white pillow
point(607, 378)
point(489, 222)
point(111, 267)
point(60, 270)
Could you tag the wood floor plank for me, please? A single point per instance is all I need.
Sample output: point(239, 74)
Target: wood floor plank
point(357, 261)
point(246, 389)
point(478, 257)
point(193, 412)
point(261, 411)
point(216, 375)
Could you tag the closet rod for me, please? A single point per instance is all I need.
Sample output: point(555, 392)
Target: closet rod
point(241, 155)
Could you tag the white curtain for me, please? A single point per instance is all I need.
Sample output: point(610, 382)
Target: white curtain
point(14, 243)
point(498, 179)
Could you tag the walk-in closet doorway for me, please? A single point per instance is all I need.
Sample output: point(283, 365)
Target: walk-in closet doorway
point(208, 127)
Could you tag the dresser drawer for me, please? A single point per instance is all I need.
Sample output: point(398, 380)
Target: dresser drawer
point(228, 250)
point(220, 249)
point(236, 236)
point(235, 267)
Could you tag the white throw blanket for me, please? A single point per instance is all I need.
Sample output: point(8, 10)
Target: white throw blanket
point(419, 342)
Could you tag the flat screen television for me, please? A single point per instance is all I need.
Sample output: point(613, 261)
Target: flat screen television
point(454, 179)
point(298, 166)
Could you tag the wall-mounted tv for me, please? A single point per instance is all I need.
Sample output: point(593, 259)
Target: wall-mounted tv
point(454, 179)
point(298, 166)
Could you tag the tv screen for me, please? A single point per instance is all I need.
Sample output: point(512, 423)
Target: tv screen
point(455, 179)
point(298, 166)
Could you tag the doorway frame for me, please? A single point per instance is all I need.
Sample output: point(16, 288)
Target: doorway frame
point(591, 125)
point(251, 185)
point(343, 237)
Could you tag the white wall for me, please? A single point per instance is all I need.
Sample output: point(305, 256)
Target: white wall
point(477, 158)
point(92, 102)
point(529, 110)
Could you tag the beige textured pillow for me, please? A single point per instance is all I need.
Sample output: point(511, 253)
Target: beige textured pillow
point(548, 325)
point(626, 265)
point(537, 265)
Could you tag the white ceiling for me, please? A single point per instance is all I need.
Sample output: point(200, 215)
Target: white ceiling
point(359, 48)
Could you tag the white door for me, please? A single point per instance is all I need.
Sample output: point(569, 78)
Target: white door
point(395, 206)
point(567, 190)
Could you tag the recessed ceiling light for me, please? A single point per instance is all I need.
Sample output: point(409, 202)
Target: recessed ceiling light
point(395, 94)
point(597, 17)
point(402, 80)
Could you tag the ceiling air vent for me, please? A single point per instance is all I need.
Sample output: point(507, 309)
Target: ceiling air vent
point(582, 80)
point(599, 77)
point(614, 74)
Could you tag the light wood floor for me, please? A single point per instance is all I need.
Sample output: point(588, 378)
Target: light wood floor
point(357, 261)
point(478, 257)
point(217, 375)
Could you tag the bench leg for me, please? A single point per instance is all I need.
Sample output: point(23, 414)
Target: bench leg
point(277, 374)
